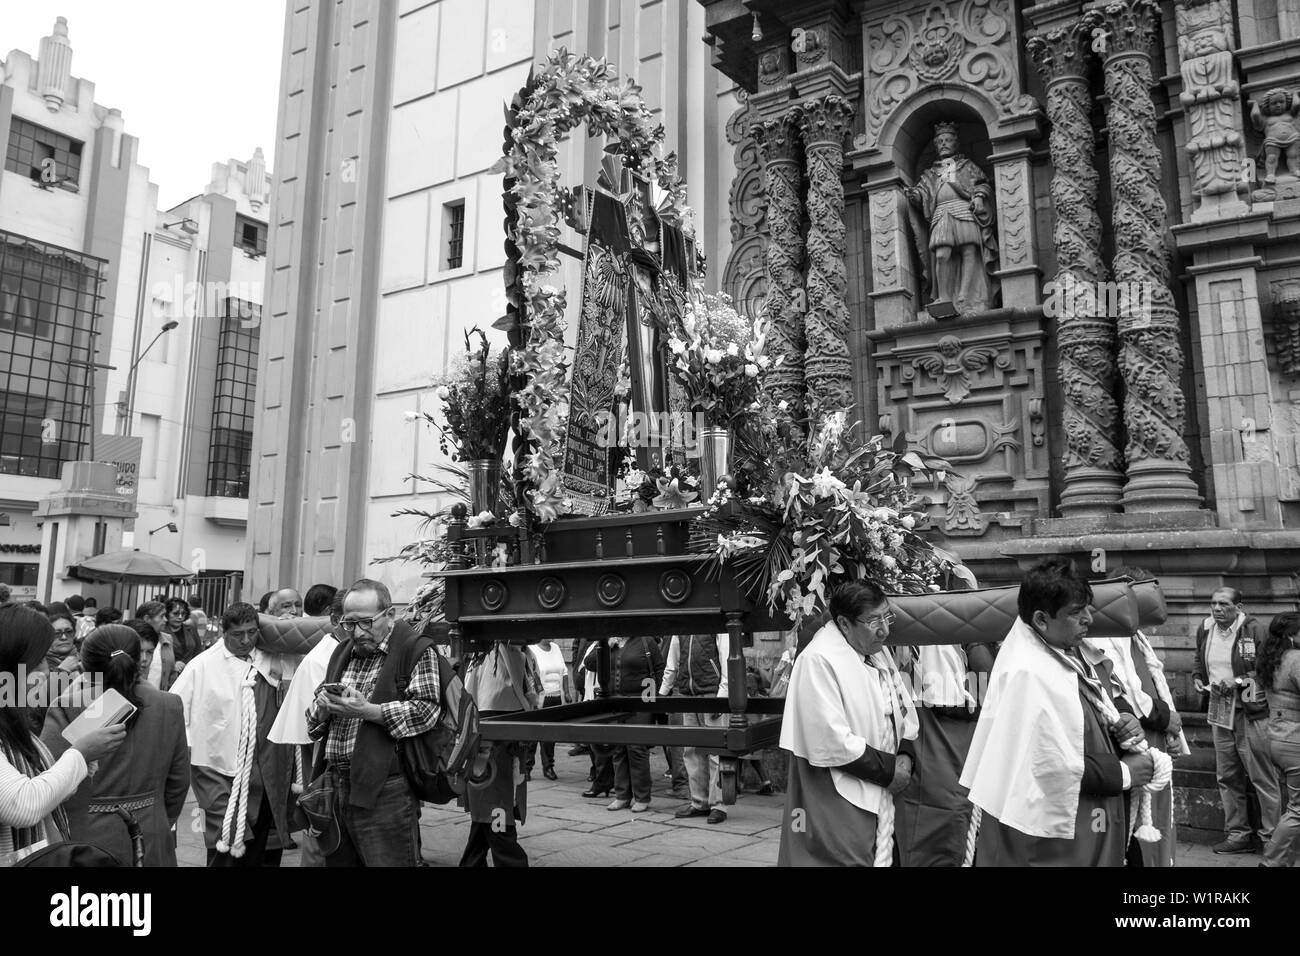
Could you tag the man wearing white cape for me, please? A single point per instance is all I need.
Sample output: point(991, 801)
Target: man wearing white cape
point(1045, 768)
point(849, 723)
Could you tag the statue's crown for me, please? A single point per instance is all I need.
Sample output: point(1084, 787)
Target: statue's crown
point(941, 128)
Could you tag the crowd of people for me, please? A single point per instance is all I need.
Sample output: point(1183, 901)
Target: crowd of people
point(1063, 758)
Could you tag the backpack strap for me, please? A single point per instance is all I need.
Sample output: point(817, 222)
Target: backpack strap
point(410, 648)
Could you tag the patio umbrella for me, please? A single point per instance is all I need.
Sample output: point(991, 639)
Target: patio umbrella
point(130, 567)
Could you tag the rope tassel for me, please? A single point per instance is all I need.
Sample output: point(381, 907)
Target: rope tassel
point(236, 820)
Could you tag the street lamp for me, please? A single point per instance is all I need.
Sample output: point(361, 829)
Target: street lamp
point(169, 526)
point(126, 404)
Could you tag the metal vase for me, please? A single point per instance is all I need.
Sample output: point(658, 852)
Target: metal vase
point(715, 459)
point(484, 484)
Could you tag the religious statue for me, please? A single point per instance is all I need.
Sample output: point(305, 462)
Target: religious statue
point(1275, 117)
point(960, 249)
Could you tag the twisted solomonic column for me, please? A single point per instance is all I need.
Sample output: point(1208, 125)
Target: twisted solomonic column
point(828, 368)
point(783, 306)
point(1085, 336)
point(1150, 359)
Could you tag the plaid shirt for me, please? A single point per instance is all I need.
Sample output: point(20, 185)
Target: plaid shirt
point(414, 715)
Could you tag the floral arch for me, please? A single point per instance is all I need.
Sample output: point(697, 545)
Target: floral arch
point(568, 91)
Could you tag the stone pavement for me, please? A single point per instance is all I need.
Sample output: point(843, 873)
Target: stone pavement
point(563, 829)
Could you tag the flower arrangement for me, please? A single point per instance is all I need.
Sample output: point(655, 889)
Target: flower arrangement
point(662, 486)
point(717, 358)
point(475, 404)
point(567, 91)
point(799, 518)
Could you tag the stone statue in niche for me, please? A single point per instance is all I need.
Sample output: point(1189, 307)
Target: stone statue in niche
point(1275, 117)
point(956, 241)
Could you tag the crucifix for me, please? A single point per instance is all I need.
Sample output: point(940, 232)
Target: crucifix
point(636, 270)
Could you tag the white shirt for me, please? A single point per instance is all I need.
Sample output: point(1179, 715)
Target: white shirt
point(1218, 649)
point(290, 725)
point(211, 692)
point(552, 668)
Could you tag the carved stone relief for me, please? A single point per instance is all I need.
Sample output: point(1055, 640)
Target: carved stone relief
point(967, 41)
point(1274, 115)
point(950, 364)
point(962, 513)
point(743, 278)
point(1210, 95)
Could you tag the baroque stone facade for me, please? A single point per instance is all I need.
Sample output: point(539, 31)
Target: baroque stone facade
point(1134, 393)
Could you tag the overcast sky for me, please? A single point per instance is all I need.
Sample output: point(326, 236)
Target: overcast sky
point(197, 82)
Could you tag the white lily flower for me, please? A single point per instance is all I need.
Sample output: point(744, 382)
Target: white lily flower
point(751, 370)
point(410, 416)
point(733, 349)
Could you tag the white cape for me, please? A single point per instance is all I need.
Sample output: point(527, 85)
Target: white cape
point(837, 706)
point(1025, 764)
point(211, 693)
point(290, 725)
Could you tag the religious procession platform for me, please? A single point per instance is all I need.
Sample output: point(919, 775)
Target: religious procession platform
point(620, 575)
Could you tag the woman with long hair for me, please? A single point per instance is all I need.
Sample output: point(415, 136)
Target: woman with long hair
point(1278, 670)
point(33, 785)
point(149, 775)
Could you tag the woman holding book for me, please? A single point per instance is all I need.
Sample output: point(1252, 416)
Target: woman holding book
point(149, 775)
point(33, 785)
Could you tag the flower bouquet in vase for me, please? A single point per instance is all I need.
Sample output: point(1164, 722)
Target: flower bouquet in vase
point(475, 418)
point(716, 357)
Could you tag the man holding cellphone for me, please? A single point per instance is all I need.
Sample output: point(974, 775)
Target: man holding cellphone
point(362, 708)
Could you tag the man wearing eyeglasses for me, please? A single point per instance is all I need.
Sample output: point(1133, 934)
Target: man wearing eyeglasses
point(849, 723)
point(360, 713)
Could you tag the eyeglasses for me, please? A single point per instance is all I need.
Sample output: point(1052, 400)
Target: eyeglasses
point(63, 630)
point(879, 620)
point(366, 624)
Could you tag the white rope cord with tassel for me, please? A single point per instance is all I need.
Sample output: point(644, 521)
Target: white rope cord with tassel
point(231, 839)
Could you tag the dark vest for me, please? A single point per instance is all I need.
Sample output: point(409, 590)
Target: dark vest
point(374, 757)
point(699, 670)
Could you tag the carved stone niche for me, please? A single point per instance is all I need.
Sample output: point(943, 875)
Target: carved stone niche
point(971, 391)
point(973, 43)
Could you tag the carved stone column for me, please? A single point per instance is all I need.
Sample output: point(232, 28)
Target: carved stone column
point(828, 370)
point(1085, 339)
point(1211, 98)
point(1150, 358)
point(783, 309)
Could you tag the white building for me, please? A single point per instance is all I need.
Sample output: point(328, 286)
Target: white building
point(88, 257)
point(390, 120)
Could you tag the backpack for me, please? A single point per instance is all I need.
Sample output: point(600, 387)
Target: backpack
point(439, 762)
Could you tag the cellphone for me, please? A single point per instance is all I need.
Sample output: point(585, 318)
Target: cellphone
point(335, 689)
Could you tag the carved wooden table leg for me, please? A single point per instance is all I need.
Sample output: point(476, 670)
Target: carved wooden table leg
point(737, 701)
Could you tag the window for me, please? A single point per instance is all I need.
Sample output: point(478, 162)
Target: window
point(49, 308)
point(19, 575)
point(454, 217)
point(250, 235)
point(230, 455)
point(44, 156)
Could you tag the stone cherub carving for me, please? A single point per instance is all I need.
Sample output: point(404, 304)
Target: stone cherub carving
point(1275, 117)
point(960, 249)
